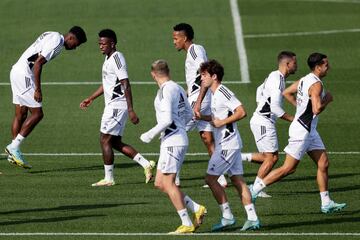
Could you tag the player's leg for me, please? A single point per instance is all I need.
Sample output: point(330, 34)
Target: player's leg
point(19, 118)
point(108, 159)
point(208, 140)
point(288, 167)
point(170, 160)
point(321, 159)
point(115, 120)
point(13, 149)
point(252, 221)
point(21, 113)
point(36, 114)
point(236, 172)
point(131, 152)
point(217, 167)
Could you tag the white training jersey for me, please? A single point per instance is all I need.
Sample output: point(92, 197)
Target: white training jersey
point(48, 45)
point(269, 97)
point(171, 105)
point(113, 71)
point(195, 56)
point(305, 121)
point(223, 105)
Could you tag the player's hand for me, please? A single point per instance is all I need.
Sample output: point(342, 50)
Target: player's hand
point(328, 97)
point(217, 122)
point(85, 103)
point(145, 138)
point(133, 117)
point(38, 95)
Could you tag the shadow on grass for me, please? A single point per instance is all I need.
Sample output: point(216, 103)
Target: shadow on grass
point(72, 208)
point(342, 213)
point(338, 189)
point(48, 220)
point(89, 168)
point(313, 177)
point(311, 223)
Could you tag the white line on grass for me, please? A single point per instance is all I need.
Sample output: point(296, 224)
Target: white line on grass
point(331, 1)
point(165, 234)
point(325, 32)
point(149, 154)
point(244, 68)
point(98, 83)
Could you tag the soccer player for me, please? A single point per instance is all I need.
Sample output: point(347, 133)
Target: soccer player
point(310, 101)
point(118, 106)
point(172, 113)
point(183, 36)
point(226, 110)
point(25, 79)
point(269, 108)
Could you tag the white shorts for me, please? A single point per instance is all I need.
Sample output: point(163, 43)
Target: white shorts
point(23, 89)
point(113, 121)
point(225, 161)
point(265, 135)
point(171, 158)
point(200, 124)
point(298, 147)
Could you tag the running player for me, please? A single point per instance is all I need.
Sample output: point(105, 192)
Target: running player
point(172, 113)
point(311, 100)
point(262, 123)
point(226, 110)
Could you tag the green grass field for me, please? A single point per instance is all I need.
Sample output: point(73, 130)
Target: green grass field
point(56, 197)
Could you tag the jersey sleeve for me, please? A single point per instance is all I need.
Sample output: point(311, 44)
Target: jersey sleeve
point(200, 55)
point(165, 108)
point(51, 44)
point(229, 98)
point(119, 65)
point(275, 86)
point(259, 90)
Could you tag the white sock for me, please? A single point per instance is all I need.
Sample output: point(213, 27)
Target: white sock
point(109, 172)
point(259, 186)
point(190, 204)
point(246, 156)
point(222, 180)
point(257, 179)
point(15, 144)
point(226, 211)
point(141, 160)
point(185, 219)
point(325, 198)
point(251, 213)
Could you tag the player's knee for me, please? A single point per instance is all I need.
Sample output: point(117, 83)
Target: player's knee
point(206, 138)
point(209, 180)
point(275, 158)
point(158, 186)
point(39, 116)
point(105, 140)
point(323, 165)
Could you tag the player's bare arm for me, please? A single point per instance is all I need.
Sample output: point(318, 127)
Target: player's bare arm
point(40, 61)
point(87, 102)
point(128, 95)
point(318, 104)
point(287, 117)
point(290, 93)
point(239, 114)
point(197, 106)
